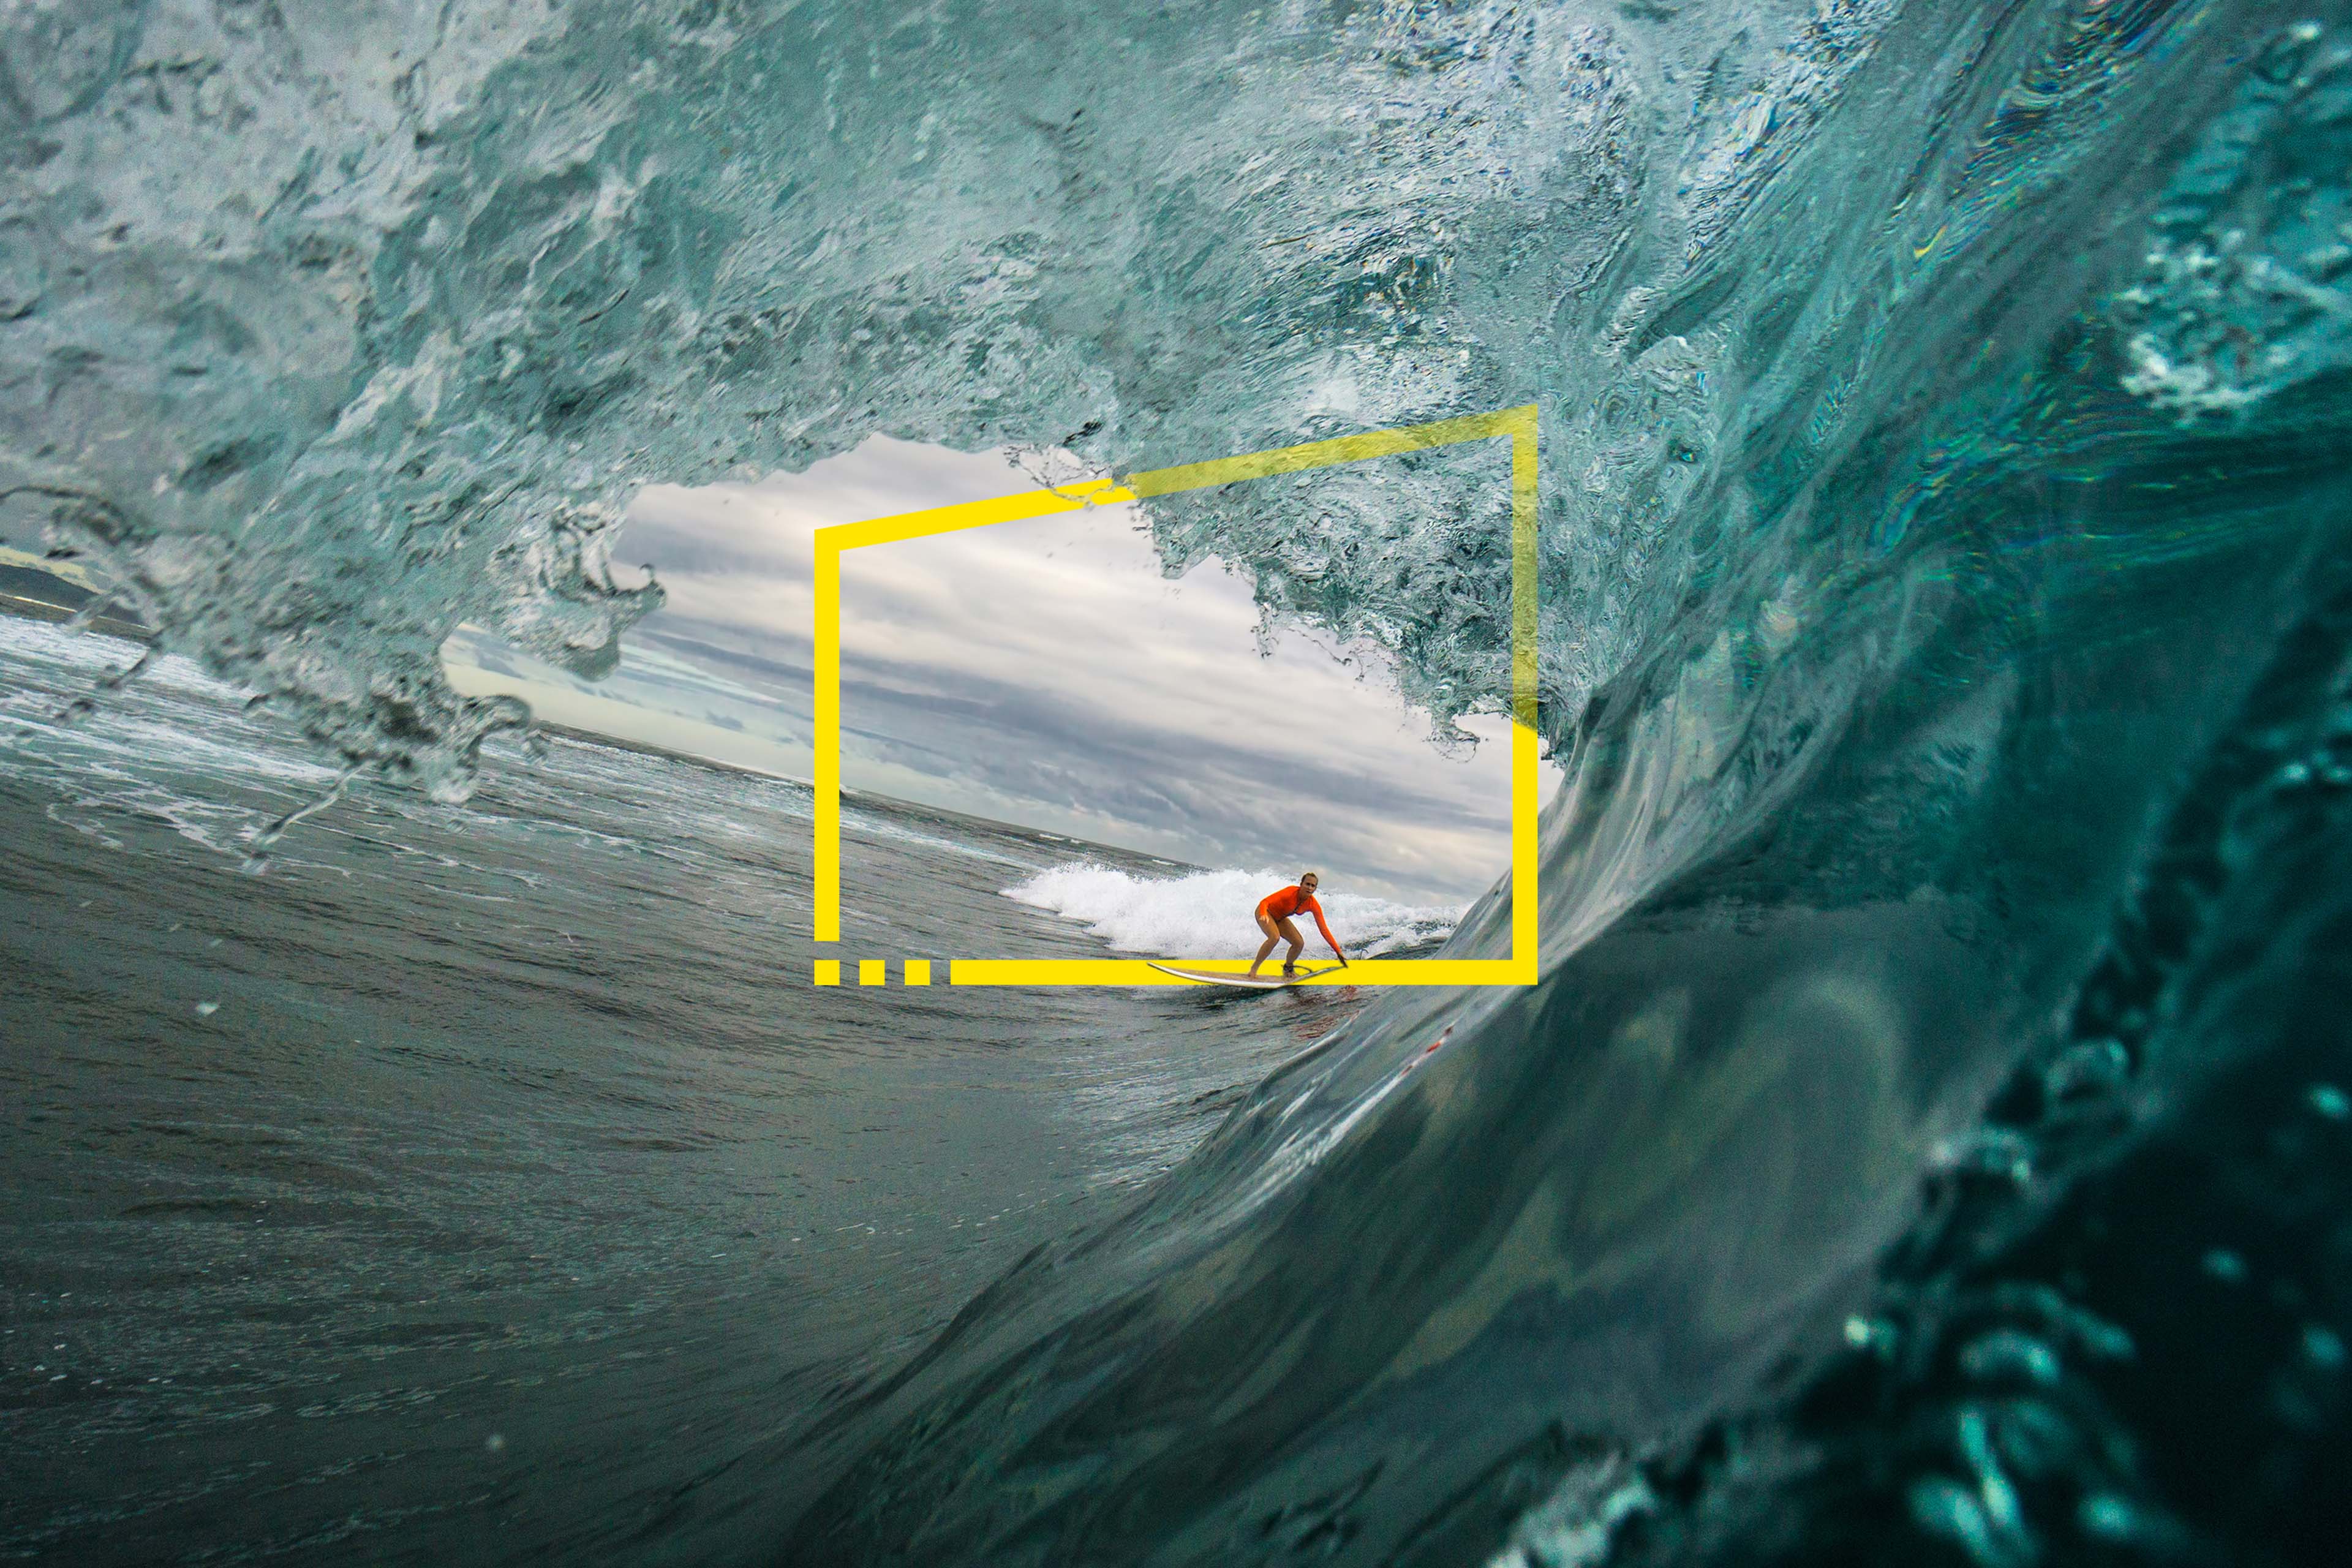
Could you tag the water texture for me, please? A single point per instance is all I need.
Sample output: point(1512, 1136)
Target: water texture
point(1927, 1141)
point(478, 1183)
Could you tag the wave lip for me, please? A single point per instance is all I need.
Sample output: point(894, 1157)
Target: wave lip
point(1210, 914)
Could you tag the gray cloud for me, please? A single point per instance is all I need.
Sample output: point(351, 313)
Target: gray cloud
point(1045, 672)
point(1119, 753)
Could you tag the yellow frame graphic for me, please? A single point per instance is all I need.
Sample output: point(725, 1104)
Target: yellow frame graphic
point(832, 543)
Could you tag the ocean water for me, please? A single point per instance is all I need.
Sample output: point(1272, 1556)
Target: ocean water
point(1930, 1138)
point(481, 1182)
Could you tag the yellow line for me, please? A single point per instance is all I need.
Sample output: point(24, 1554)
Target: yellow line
point(827, 741)
point(1357, 449)
point(872, 971)
point(1136, 972)
point(828, 972)
point(1518, 424)
point(1526, 804)
point(973, 514)
point(1523, 571)
point(1328, 454)
point(1527, 793)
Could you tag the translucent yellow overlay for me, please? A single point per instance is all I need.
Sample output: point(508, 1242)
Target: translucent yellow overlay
point(832, 543)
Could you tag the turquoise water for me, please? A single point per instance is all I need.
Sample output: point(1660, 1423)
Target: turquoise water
point(1927, 1141)
point(483, 1182)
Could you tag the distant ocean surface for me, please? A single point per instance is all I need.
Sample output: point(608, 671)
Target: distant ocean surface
point(486, 1183)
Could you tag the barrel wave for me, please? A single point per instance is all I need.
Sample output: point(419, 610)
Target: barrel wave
point(1925, 1140)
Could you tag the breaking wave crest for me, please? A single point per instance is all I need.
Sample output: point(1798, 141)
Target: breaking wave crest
point(1206, 914)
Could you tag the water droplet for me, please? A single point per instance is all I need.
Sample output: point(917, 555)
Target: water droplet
point(2106, 1517)
point(2086, 1067)
point(1988, 1152)
point(1943, 1507)
point(1870, 1334)
point(206, 1009)
point(2006, 1353)
point(496, 1443)
point(2225, 1266)
point(2330, 1101)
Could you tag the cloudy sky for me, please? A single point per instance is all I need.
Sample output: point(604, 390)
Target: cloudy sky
point(1040, 672)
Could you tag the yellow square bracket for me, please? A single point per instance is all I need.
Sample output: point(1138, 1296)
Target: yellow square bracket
point(1518, 425)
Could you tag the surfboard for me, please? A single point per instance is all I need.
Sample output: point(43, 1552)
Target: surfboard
point(1268, 979)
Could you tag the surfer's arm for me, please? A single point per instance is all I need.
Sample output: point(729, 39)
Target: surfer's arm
point(1326, 930)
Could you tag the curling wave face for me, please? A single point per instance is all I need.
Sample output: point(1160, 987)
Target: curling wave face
point(331, 332)
point(1943, 533)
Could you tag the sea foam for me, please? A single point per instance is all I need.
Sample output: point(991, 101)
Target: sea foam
point(1209, 914)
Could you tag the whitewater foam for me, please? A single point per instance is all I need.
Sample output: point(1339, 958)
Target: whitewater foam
point(1208, 914)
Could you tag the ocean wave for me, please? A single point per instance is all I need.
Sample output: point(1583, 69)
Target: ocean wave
point(1943, 539)
point(1209, 914)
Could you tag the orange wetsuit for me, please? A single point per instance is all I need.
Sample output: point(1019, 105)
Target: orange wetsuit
point(1289, 901)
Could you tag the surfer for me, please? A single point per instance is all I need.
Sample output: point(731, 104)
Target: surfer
point(1274, 912)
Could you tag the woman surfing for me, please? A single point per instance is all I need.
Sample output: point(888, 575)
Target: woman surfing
point(1274, 912)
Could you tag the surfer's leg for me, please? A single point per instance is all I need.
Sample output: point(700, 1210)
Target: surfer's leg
point(1298, 945)
point(1266, 946)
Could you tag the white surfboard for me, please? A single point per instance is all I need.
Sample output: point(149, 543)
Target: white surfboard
point(1270, 978)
